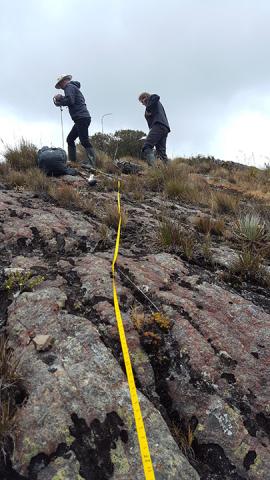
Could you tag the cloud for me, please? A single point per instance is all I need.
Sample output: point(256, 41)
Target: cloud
point(207, 60)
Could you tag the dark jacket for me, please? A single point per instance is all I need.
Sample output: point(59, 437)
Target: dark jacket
point(155, 112)
point(75, 101)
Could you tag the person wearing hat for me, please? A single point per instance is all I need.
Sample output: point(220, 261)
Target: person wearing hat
point(159, 128)
point(74, 100)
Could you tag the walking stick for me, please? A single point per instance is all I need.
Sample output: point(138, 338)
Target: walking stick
point(61, 113)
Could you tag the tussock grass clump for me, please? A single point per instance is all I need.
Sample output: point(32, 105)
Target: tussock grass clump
point(156, 178)
point(134, 186)
point(184, 438)
point(208, 225)
point(224, 203)
point(182, 190)
point(65, 195)
point(249, 268)
point(14, 178)
point(171, 236)
point(112, 216)
point(4, 169)
point(10, 384)
point(32, 179)
point(37, 181)
point(9, 365)
point(21, 157)
point(68, 197)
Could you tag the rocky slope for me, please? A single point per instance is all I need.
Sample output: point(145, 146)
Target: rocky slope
point(202, 366)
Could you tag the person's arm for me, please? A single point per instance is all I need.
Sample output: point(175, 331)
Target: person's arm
point(152, 102)
point(69, 99)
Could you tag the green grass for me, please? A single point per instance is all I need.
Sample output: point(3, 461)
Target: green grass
point(171, 236)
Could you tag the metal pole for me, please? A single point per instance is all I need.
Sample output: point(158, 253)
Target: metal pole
point(63, 143)
point(105, 115)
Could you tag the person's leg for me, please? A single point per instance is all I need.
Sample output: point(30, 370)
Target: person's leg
point(161, 148)
point(152, 139)
point(73, 134)
point(82, 126)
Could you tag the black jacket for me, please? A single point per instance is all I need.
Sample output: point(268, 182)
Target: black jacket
point(155, 112)
point(75, 101)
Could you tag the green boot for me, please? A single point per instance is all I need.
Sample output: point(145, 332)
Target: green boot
point(72, 153)
point(90, 161)
point(149, 157)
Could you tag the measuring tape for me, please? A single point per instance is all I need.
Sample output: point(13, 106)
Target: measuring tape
point(145, 453)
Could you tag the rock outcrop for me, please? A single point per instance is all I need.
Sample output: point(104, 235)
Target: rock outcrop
point(203, 374)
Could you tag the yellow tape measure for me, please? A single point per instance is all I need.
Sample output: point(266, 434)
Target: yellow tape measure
point(145, 453)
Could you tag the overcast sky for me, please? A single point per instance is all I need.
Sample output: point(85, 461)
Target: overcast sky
point(207, 59)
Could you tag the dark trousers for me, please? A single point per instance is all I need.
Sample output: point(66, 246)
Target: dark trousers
point(157, 137)
point(80, 129)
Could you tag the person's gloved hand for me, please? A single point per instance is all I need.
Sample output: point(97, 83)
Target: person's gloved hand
point(56, 99)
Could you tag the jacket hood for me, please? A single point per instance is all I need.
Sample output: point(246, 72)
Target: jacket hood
point(77, 84)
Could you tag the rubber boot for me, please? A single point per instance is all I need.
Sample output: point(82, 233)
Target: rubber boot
point(72, 153)
point(149, 157)
point(90, 161)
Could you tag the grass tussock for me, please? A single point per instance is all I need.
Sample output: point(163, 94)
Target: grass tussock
point(207, 225)
point(68, 197)
point(33, 179)
point(21, 157)
point(182, 190)
point(172, 237)
point(224, 203)
point(249, 268)
point(9, 387)
point(112, 216)
point(134, 187)
point(184, 439)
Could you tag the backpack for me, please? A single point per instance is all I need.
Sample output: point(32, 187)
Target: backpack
point(53, 161)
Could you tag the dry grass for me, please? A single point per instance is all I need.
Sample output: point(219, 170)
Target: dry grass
point(171, 236)
point(68, 197)
point(14, 178)
point(184, 439)
point(249, 268)
point(134, 187)
point(10, 382)
point(208, 225)
point(32, 179)
point(21, 157)
point(37, 181)
point(222, 202)
point(182, 190)
point(9, 365)
point(112, 216)
point(65, 195)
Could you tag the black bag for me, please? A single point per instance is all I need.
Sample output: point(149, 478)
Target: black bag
point(53, 161)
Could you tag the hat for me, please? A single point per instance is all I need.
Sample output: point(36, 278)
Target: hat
point(62, 77)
